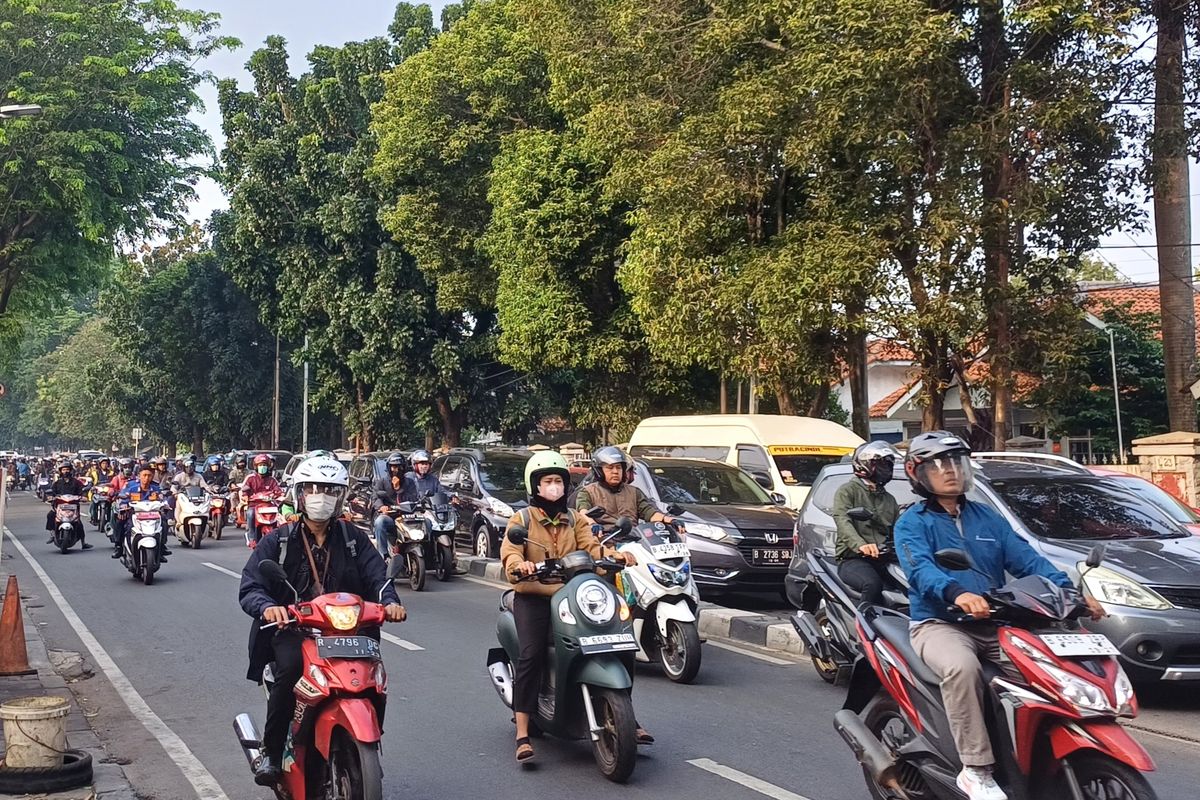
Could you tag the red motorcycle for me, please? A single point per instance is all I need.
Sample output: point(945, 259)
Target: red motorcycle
point(262, 516)
point(1052, 717)
point(68, 528)
point(218, 513)
point(332, 750)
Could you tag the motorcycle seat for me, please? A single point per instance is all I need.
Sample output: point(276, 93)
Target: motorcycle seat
point(895, 630)
point(506, 600)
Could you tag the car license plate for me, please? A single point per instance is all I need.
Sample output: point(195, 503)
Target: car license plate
point(347, 647)
point(607, 643)
point(670, 550)
point(778, 555)
point(1079, 644)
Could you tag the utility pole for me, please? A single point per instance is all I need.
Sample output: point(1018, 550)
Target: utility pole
point(275, 410)
point(752, 401)
point(1112, 353)
point(304, 434)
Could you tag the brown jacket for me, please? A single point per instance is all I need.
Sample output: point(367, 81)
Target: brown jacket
point(558, 540)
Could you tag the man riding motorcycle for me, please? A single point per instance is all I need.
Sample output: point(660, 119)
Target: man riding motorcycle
point(237, 476)
point(186, 478)
point(161, 476)
point(260, 481)
point(388, 492)
point(938, 465)
point(214, 478)
point(610, 490)
point(144, 487)
point(123, 476)
point(859, 541)
point(65, 483)
point(318, 557)
point(101, 473)
point(420, 481)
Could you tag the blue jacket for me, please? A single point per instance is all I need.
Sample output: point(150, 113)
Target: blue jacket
point(415, 487)
point(991, 542)
point(135, 487)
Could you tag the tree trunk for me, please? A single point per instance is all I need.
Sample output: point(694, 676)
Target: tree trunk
point(724, 394)
point(1172, 214)
point(856, 368)
point(786, 400)
point(364, 443)
point(197, 440)
point(996, 229)
point(452, 422)
point(820, 401)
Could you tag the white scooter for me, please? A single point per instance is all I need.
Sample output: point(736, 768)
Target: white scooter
point(139, 552)
point(662, 588)
point(192, 508)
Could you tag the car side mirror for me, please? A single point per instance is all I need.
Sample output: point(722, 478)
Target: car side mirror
point(763, 479)
point(953, 559)
point(778, 499)
point(517, 535)
point(860, 514)
point(674, 509)
point(1096, 556)
point(466, 485)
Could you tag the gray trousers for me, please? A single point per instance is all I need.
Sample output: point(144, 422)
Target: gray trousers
point(954, 652)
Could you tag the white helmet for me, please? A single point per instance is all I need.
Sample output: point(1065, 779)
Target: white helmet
point(320, 470)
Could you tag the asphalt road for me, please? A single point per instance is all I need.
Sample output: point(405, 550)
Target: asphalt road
point(181, 647)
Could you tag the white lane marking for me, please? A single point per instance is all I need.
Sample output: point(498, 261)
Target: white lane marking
point(749, 781)
point(484, 582)
point(760, 656)
point(201, 779)
point(407, 645)
point(219, 568)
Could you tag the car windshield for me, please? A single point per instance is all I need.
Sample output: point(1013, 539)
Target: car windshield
point(504, 478)
point(707, 484)
point(1084, 509)
point(802, 470)
point(1174, 508)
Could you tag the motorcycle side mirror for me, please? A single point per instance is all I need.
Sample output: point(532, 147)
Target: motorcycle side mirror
point(624, 525)
point(273, 572)
point(860, 514)
point(953, 559)
point(517, 535)
point(595, 512)
point(1096, 556)
point(405, 508)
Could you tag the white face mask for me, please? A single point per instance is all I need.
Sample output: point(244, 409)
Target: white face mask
point(319, 507)
point(552, 492)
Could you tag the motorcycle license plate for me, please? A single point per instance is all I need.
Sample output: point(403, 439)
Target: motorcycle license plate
point(1079, 644)
point(778, 555)
point(146, 515)
point(607, 643)
point(347, 647)
point(670, 550)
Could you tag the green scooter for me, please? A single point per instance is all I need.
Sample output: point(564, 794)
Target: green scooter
point(585, 685)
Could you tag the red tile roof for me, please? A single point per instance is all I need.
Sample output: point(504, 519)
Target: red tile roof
point(1138, 298)
point(880, 409)
point(1023, 384)
point(887, 350)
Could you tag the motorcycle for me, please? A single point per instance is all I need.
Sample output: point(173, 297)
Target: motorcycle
point(68, 528)
point(585, 686)
point(332, 750)
point(407, 554)
point(43, 487)
point(218, 513)
point(439, 519)
point(262, 516)
point(662, 587)
point(140, 550)
point(1052, 717)
point(192, 509)
point(10, 481)
point(828, 631)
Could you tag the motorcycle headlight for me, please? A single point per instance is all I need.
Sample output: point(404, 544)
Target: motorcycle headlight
point(664, 576)
point(714, 532)
point(416, 535)
point(344, 618)
point(1080, 693)
point(1124, 691)
point(564, 612)
point(1112, 587)
point(597, 602)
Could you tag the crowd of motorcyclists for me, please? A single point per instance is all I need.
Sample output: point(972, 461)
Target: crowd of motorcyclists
point(321, 553)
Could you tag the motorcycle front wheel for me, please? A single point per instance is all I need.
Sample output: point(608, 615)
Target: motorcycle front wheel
point(1103, 778)
point(148, 570)
point(416, 571)
point(354, 770)
point(679, 652)
point(63, 540)
point(445, 563)
point(616, 748)
point(197, 536)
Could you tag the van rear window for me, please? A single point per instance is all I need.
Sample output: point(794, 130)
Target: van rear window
point(680, 451)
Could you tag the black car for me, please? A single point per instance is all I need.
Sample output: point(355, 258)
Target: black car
point(491, 487)
point(738, 537)
point(365, 469)
point(1149, 582)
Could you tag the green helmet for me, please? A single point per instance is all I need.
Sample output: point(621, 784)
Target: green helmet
point(545, 463)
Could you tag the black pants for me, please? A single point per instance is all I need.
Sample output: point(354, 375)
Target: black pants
point(531, 612)
point(281, 704)
point(866, 575)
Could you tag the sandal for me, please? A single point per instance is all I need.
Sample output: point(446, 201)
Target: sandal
point(524, 750)
point(644, 737)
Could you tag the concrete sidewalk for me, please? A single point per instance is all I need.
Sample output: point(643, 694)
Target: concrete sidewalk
point(108, 779)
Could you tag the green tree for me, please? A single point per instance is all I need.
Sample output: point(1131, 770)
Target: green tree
point(115, 154)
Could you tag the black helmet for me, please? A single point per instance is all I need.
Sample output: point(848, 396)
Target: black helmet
point(240, 460)
point(397, 460)
point(606, 456)
point(875, 462)
point(942, 451)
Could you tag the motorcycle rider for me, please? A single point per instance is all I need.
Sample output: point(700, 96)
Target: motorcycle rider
point(261, 481)
point(237, 476)
point(65, 483)
point(938, 465)
point(318, 558)
point(555, 531)
point(389, 491)
point(185, 479)
point(420, 481)
point(609, 489)
point(215, 479)
point(144, 487)
point(123, 476)
point(101, 474)
point(23, 474)
point(859, 542)
point(161, 476)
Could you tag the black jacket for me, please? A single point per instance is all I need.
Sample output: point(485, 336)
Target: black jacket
point(66, 486)
point(384, 494)
point(355, 566)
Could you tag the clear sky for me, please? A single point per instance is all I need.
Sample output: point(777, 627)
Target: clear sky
point(305, 23)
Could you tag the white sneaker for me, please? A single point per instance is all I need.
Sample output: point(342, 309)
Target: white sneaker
point(978, 784)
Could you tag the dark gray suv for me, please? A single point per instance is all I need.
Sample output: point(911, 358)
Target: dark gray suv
point(1150, 580)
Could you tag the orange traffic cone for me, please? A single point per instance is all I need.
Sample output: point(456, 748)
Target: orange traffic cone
point(14, 659)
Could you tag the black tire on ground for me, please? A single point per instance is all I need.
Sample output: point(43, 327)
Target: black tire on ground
point(148, 570)
point(1104, 778)
point(680, 654)
point(76, 771)
point(483, 542)
point(616, 749)
point(445, 563)
point(63, 541)
point(828, 670)
point(355, 771)
point(416, 571)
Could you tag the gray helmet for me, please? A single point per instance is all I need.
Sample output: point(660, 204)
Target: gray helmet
point(875, 462)
point(606, 456)
point(420, 455)
point(939, 450)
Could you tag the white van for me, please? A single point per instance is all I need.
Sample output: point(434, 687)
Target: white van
point(783, 453)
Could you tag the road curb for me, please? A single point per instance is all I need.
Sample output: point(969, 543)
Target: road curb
point(716, 622)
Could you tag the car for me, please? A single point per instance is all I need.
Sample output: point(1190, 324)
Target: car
point(1175, 508)
point(1150, 579)
point(365, 469)
point(738, 537)
point(490, 485)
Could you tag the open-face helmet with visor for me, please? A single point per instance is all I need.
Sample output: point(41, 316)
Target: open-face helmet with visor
point(939, 463)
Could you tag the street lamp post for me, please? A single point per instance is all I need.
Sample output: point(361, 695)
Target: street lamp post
point(14, 111)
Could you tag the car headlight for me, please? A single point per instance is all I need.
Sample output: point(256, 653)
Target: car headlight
point(1082, 694)
point(564, 612)
point(344, 618)
point(714, 532)
point(1112, 587)
point(499, 507)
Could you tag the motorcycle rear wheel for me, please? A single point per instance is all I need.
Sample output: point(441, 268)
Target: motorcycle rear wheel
point(616, 749)
point(354, 770)
point(416, 571)
point(882, 717)
point(1104, 778)
point(828, 670)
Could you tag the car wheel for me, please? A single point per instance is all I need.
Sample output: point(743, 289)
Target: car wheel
point(483, 542)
